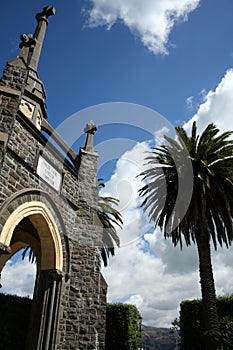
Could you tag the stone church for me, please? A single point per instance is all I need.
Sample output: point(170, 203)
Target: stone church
point(48, 201)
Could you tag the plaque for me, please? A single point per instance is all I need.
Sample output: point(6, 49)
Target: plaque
point(49, 174)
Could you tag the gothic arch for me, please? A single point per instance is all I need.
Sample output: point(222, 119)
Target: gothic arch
point(42, 220)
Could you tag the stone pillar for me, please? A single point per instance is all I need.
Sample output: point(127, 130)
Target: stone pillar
point(85, 309)
point(45, 308)
point(39, 35)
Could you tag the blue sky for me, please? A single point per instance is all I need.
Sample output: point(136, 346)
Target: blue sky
point(177, 65)
point(82, 67)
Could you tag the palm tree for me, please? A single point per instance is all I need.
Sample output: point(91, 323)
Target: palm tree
point(109, 217)
point(210, 211)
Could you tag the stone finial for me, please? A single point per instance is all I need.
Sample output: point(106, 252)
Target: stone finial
point(27, 40)
point(90, 130)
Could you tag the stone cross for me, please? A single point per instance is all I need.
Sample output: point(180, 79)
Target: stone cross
point(47, 11)
point(31, 45)
point(90, 130)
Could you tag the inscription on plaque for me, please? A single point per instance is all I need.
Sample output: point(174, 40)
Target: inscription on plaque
point(49, 174)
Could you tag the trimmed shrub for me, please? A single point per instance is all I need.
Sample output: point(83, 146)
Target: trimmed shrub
point(14, 318)
point(191, 324)
point(122, 327)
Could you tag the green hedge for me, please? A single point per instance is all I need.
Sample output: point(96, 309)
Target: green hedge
point(14, 317)
point(122, 330)
point(122, 327)
point(191, 325)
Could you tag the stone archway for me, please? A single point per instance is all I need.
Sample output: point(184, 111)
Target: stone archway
point(32, 224)
point(43, 222)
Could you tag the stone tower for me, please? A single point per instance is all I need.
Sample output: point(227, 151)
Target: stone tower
point(48, 201)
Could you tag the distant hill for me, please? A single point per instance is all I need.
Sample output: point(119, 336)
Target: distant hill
point(157, 339)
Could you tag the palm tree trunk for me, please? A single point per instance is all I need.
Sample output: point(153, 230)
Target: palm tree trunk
point(212, 333)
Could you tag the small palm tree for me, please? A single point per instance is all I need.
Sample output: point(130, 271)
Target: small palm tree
point(210, 212)
point(109, 217)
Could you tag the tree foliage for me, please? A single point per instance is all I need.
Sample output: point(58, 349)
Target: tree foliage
point(191, 323)
point(122, 327)
point(109, 217)
point(14, 320)
point(212, 162)
point(209, 211)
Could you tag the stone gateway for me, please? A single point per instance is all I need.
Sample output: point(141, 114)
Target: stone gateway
point(48, 201)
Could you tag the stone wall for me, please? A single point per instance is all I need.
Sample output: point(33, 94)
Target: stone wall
point(81, 308)
point(15, 74)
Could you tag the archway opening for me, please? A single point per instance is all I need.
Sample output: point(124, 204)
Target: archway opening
point(18, 281)
point(31, 225)
point(34, 217)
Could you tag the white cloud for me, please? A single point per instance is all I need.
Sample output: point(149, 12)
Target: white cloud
point(149, 271)
point(18, 277)
point(124, 185)
point(139, 276)
point(151, 21)
point(217, 106)
point(159, 135)
point(223, 270)
point(189, 103)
